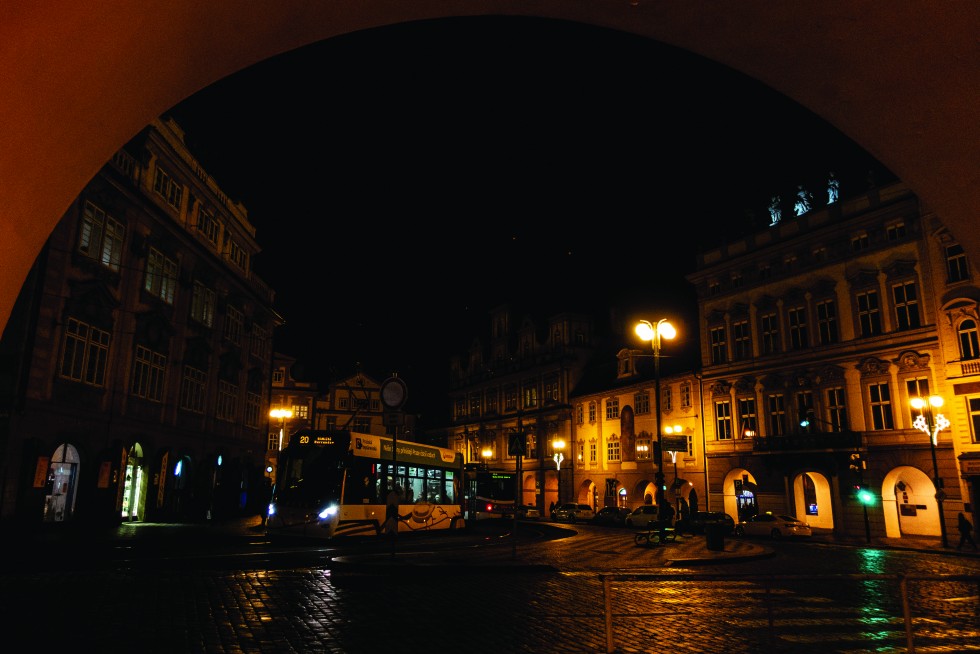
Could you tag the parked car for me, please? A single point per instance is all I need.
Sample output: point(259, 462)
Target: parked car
point(642, 517)
point(572, 512)
point(530, 512)
point(611, 516)
point(697, 522)
point(773, 526)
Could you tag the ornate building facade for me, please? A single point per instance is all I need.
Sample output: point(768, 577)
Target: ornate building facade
point(515, 389)
point(138, 357)
point(817, 336)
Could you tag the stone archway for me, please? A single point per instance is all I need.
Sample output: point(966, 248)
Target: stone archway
point(66, 109)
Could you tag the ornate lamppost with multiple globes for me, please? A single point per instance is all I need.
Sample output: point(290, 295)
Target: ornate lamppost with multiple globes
point(558, 445)
point(649, 331)
point(932, 424)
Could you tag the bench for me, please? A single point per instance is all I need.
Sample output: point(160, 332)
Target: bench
point(651, 536)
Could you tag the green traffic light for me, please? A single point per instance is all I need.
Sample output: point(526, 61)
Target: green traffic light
point(865, 496)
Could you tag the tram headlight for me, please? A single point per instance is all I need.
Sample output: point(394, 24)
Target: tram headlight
point(272, 509)
point(329, 511)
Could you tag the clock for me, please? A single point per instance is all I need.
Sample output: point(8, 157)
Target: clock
point(393, 393)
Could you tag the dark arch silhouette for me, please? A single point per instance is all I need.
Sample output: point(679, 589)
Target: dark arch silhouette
point(901, 83)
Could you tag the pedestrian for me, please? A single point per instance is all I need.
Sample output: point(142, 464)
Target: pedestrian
point(966, 532)
point(551, 510)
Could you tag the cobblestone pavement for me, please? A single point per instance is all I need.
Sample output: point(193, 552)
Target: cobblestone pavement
point(485, 595)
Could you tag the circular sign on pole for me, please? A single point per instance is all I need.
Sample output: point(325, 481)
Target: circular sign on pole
point(393, 393)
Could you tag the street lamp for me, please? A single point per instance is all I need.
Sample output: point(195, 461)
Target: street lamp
point(558, 445)
point(670, 431)
point(486, 453)
point(283, 415)
point(932, 425)
point(647, 331)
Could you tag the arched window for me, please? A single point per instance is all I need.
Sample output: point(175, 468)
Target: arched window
point(969, 344)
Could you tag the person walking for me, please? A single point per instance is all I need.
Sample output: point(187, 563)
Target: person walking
point(966, 532)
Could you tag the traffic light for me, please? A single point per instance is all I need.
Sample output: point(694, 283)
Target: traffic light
point(863, 495)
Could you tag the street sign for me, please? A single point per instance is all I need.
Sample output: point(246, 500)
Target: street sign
point(517, 444)
point(673, 443)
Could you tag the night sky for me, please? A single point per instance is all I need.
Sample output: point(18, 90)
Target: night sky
point(405, 180)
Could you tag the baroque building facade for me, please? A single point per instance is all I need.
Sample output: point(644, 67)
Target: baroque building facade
point(816, 335)
point(515, 387)
point(139, 354)
point(616, 448)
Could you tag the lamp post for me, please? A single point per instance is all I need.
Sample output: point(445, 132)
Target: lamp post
point(671, 431)
point(932, 425)
point(486, 453)
point(283, 415)
point(558, 445)
point(648, 331)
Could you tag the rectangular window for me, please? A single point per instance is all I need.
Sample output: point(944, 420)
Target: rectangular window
point(85, 354)
point(551, 391)
point(799, 336)
point(765, 271)
point(827, 322)
point(869, 313)
point(881, 407)
point(644, 449)
point(530, 396)
point(593, 452)
point(723, 420)
point(234, 325)
point(804, 410)
point(100, 237)
point(592, 412)
point(837, 408)
point(860, 242)
point(208, 226)
point(161, 276)
point(742, 340)
point(612, 409)
point(906, 305)
point(686, 398)
point(273, 444)
point(259, 342)
point(580, 414)
point(776, 414)
point(974, 406)
point(202, 304)
point(770, 333)
point(362, 425)
point(475, 405)
point(719, 346)
point(170, 190)
point(895, 232)
point(239, 256)
point(252, 403)
point(612, 449)
point(302, 411)
point(192, 389)
point(957, 269)
point(492, 401)
point(278, 376)
point(667, 400)
point(149, 370)
point(510, 398)
point(227, 406)
point(918, 387)
point(748, 424)
point(641, 402)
